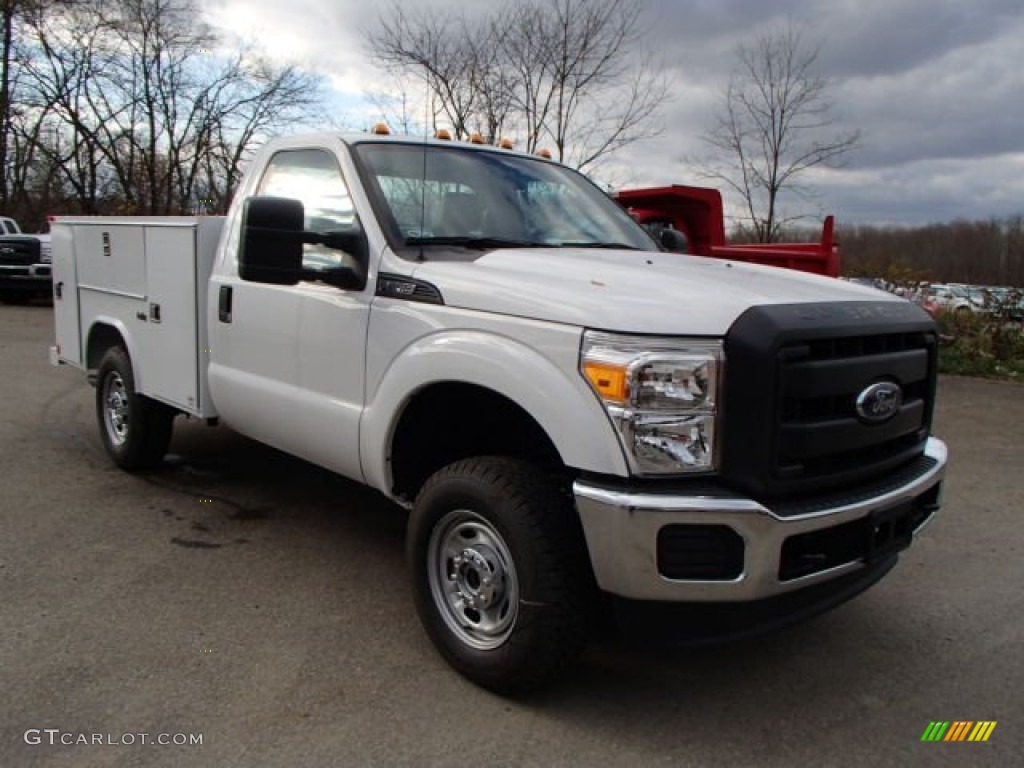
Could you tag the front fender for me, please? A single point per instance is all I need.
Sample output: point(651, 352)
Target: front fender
point(556, 396)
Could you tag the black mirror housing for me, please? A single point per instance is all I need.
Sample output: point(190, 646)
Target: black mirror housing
point(673, 240)
point(343, 277)
point(272, 240)
point(271, 247)
point(351, 241)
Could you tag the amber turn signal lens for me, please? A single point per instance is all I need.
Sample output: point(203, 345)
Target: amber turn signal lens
point(610, 381)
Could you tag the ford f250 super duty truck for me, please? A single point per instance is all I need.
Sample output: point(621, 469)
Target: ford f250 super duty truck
point(574, 418)
point(24, 264)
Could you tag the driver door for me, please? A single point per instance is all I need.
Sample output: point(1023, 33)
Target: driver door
point(289, 359)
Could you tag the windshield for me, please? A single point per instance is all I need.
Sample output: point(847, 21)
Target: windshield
point(453, 196)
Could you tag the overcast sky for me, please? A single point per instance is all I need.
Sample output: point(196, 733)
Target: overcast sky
point(936, 88)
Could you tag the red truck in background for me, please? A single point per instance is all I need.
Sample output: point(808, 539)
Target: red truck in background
point(697, 213)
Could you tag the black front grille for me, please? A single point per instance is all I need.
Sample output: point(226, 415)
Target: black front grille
point(19, 250)
point(820, 433)
point(794, 373)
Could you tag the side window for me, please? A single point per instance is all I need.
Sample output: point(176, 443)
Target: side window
point(313, 176)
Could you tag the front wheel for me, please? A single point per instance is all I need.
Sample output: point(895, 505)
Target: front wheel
point(135, 430)
point(500, 574)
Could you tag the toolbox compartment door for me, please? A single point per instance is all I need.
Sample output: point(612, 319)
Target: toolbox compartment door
point(65, 296)
point(170, 335)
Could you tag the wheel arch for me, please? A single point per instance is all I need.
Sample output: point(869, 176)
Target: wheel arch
point(107, 332)
point(426, 437)
point(462, 383)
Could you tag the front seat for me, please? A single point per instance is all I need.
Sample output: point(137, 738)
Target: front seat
point(461, 216)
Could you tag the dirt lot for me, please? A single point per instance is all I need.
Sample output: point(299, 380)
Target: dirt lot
point(262, 603)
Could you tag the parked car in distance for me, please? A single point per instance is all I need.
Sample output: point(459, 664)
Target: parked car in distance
point(25, 264)
point(1004, 302)
point(939, 298)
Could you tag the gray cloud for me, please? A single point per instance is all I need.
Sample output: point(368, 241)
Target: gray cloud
point(936, 87)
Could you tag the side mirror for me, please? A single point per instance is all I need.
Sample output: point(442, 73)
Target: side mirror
point(673, 240)
point(272, 240)
point(271, 243)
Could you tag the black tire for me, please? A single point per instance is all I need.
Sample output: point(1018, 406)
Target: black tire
point(134, 429)
point(507, 521)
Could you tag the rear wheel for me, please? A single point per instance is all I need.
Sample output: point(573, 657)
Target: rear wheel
point(135, 430)
point(500, 574)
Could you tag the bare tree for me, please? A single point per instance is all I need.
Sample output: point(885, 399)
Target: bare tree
point(775, 123)
point(566, 73)
point(438, 48)
point(397, 109)
point(592, 92)
point(11, 150)
point(250, 100)
point(7, 13)
point(136, 110)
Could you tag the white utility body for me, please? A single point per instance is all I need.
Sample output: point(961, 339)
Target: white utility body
point(488, 339)
point(148, 278)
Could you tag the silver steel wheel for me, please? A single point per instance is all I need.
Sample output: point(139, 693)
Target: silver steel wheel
point(473, 579)
point(115, 408)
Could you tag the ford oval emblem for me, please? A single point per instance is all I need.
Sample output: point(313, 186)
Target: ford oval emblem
point(879, 402)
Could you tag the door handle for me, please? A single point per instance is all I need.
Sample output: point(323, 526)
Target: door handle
point(224, 304)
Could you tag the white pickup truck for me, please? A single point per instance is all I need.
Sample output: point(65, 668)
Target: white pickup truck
point(574, 418)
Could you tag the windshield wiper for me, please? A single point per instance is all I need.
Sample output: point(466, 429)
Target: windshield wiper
point(479, 243)
point(592, 244)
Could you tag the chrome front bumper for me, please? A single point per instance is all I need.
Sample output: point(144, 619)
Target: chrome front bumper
point(26, 272)
point(621, 529)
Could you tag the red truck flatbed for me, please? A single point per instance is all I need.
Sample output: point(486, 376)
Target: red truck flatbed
point(697, 212)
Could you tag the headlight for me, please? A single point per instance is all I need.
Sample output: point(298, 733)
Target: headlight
point(662, 396)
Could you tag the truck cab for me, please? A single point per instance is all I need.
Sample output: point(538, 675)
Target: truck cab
point(573, 417)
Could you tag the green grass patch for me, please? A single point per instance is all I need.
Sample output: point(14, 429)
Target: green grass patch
point(981, 346)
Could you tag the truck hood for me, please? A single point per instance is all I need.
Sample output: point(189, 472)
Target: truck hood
point(629, 291)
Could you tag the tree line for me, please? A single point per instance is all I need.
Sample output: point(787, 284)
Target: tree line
point(131, 107)
point(982, 252)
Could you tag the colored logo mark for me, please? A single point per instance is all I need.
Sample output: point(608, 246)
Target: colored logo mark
point(958, 730)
